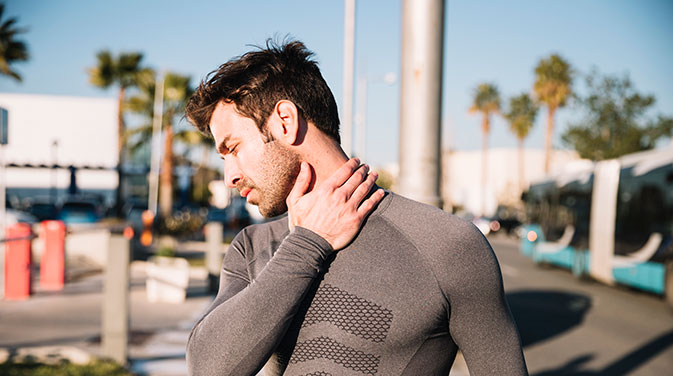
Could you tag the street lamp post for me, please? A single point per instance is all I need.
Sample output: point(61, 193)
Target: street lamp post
point(155, 157)
point(54, 171)
point(361, 119)
point(348, 64)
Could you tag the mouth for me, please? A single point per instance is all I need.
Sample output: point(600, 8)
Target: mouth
point(245, 192)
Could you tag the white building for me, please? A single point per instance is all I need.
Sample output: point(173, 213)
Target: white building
point(462, 184)
point(47, 130)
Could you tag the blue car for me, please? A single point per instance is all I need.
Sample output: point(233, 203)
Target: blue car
point(80, 212)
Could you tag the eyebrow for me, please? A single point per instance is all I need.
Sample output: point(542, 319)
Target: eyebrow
point(221, 147)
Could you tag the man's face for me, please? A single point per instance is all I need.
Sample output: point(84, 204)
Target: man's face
point(262, 172)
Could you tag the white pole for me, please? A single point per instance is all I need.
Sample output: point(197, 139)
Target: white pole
point(155, 156)
point(421, 99)
point(348, 76)
point(362, 119)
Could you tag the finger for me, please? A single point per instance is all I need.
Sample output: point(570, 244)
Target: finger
point(369, 204)
point(357, 178)
point(342, 173)
point(301, 183)
point(364, 188)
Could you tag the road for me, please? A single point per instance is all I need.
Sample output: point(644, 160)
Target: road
point(573, 327)
point(568, 327)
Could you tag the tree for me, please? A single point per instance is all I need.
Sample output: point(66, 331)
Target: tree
point(521, 117)
point(177, 91)
point(553, 81)
point(121, 71)
point(487, 102)
point(616, 121)
point(11, 50)
point(195, 139)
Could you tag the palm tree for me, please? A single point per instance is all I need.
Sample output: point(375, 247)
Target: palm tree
point(123, 72)
point(553, 80)
point(521, 117)
point(11, 50)
point(195, 139)
point(487, 102)
point(177, 91)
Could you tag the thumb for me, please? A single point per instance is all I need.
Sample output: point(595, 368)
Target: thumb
point(301, 184)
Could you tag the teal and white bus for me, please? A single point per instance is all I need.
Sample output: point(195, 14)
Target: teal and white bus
point(611, 220)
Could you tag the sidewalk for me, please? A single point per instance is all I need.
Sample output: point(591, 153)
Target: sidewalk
point(67, 324)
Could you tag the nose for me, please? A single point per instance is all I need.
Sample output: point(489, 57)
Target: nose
point(232, 173)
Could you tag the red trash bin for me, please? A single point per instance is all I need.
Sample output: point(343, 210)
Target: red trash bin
point(17, 262)
point(52, 263)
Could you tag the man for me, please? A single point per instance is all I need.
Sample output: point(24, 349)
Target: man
point(354, 280)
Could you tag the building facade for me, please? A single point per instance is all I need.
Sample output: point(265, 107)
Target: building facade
point(53, 140)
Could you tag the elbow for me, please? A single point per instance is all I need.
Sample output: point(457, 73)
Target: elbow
point(204, 358)
point(197, 355)
point(192, 355)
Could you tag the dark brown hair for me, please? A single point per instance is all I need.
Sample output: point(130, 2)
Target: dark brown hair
point(257, 80)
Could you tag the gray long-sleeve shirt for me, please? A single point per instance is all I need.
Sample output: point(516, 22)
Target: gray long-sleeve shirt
point(413, 287)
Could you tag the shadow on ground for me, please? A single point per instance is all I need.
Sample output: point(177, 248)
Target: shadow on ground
point(541, 315)
point(622, 366)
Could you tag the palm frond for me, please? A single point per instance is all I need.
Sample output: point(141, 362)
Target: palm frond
point(521, 115)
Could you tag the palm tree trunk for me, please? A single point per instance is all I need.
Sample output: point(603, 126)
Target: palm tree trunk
point(119, 195)
point(520, 166)
point(550, 132)
point(485, 128)
point(166, 179)
point(205, 155)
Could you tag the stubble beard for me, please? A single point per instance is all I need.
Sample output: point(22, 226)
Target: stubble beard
point(276, 179)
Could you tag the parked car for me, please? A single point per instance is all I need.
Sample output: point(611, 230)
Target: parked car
point(43, 210)
point(235, 216)
point(507, 218)
point(133, 211)
point(75, 210)
point(16, 216)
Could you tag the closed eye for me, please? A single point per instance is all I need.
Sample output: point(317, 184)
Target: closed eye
point(232, 150)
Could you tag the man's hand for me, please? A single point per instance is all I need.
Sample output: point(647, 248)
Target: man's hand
point(336, 209)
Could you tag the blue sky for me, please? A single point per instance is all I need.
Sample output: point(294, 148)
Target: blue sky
point(494, 41)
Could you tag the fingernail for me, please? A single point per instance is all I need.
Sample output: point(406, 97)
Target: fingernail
point(357, 160)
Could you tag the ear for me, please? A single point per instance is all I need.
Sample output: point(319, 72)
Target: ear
point(284, 122)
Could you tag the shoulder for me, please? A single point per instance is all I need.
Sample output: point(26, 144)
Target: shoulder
point(259, 234)
point(252, 248)
point(455, 249)
point(430, 227)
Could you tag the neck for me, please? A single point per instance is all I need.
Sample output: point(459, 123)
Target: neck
point(325, 156)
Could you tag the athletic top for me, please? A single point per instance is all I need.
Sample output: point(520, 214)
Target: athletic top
point(414, 286)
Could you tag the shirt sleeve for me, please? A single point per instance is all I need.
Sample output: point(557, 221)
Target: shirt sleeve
point(247, 319)
point(480, 320)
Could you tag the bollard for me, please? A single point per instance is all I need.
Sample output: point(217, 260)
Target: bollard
point(52, 263)
point(17, 262)
point(115, 332)
point(214, 255)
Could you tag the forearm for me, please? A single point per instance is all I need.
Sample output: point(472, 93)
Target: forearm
point(239, 335)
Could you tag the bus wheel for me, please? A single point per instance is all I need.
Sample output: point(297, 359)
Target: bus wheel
point(669, 283)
